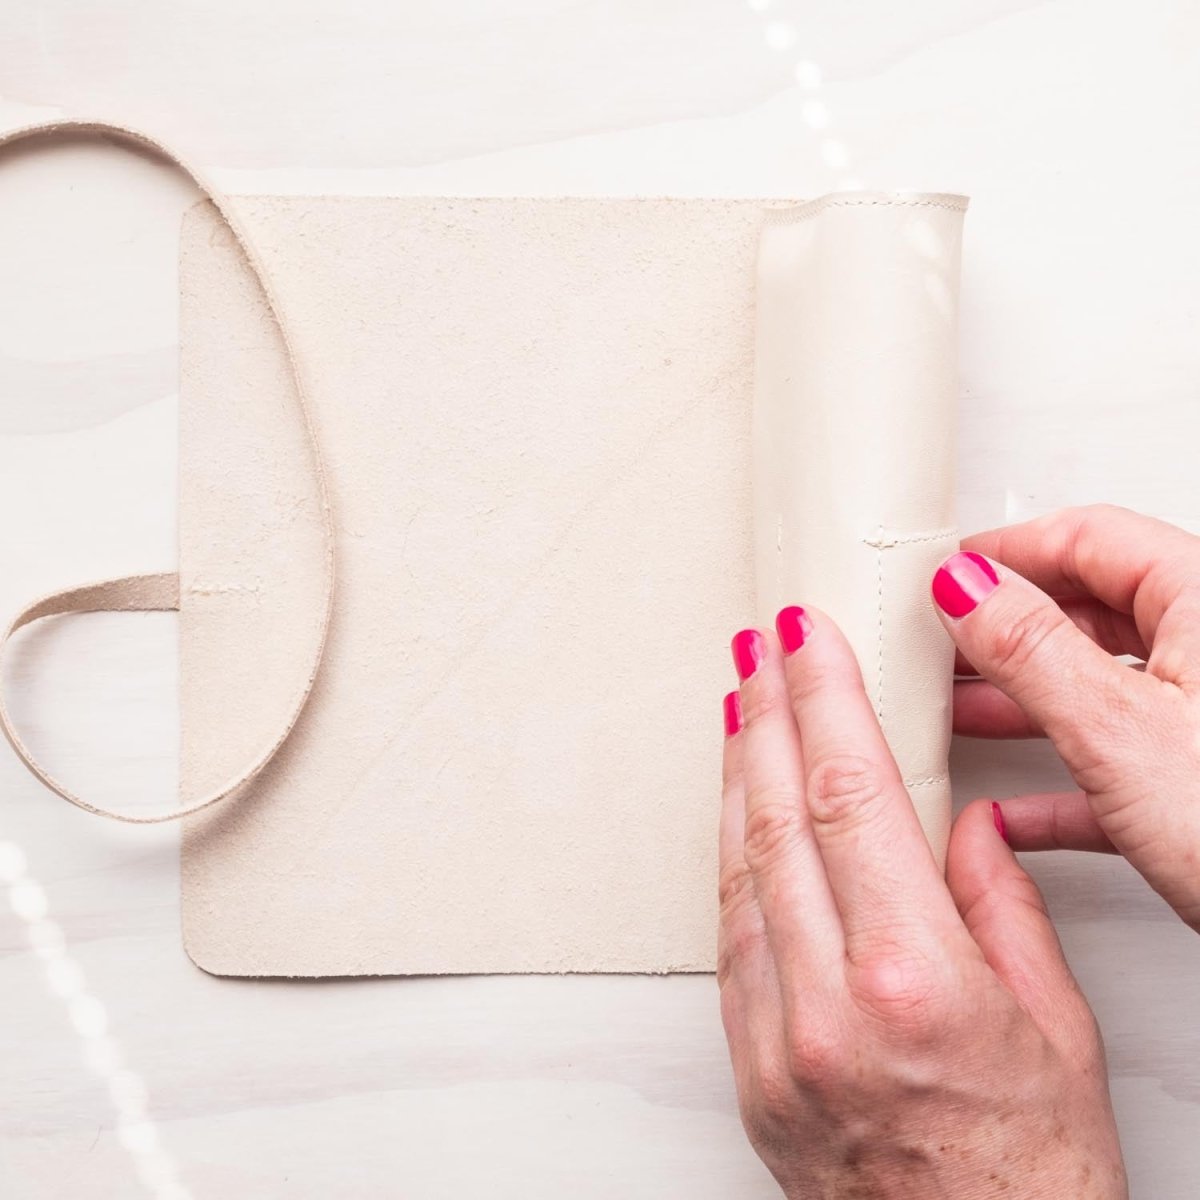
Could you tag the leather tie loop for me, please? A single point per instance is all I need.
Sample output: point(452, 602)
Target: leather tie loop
point(160, 592)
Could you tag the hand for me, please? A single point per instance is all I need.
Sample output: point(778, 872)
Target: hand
point(890, 1036)
point(1122, 584)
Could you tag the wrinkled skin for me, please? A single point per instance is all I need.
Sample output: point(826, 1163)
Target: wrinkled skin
point(897, 1034)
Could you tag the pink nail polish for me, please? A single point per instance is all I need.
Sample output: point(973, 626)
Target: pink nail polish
point(998, 820)
point(962, 581)
point(748, 649)
point(793, 625)
point(733, 714)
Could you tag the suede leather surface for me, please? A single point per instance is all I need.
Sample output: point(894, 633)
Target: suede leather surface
point(556, 496)
point(556, 451)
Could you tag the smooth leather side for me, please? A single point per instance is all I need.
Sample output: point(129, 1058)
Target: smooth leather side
point(856, 386)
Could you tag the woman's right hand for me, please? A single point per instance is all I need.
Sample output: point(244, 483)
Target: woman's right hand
point(1039, 611)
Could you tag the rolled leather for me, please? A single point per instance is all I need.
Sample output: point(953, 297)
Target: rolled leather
point(853, 449)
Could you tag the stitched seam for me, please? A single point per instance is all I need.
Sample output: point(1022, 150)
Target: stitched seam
point(885, 539)
point(787, 216)
point(220, 589)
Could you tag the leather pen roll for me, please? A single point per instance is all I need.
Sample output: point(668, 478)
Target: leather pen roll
point(853, 448)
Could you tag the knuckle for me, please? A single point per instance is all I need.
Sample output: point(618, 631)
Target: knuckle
point(735, 889)
point(772, 827)
point(821, 676)
point(844, 787)
point(737, 903)
point(1080, 533)
point(813, 1059)
point(1176, 663)
point(1020, 890)
point(1085, 525)
point(738, 942)
point(1024, 640)
point(762, 703)
point(1098, 513)
point(990, 913)
point(902, 990)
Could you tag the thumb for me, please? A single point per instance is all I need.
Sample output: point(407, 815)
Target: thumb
point(1019, 639)
point(1006, 916)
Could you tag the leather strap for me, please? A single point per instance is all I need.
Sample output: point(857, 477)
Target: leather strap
point(148, 593)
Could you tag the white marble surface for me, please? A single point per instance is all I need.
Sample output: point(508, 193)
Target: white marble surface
point(128, 1072)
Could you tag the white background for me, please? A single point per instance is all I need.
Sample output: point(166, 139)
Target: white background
point(127, 1072)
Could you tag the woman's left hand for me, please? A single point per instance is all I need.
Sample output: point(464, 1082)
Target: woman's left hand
point(892, 1033)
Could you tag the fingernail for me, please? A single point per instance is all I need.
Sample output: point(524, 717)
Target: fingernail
point(962, 581)
point(733, 714)
point(998, 820)
point(793, 625)
point(748, 648)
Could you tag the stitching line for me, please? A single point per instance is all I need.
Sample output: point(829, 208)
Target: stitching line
point(221, 589)
point(885, 539)
point(786, 216)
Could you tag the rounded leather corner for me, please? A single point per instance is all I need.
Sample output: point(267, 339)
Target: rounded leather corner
point(199, 954)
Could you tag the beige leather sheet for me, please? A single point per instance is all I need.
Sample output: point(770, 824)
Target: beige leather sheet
point(555, 499)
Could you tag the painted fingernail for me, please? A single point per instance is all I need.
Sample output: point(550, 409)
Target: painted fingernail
point(998, 820)
point(733, 714)
point(748, 649)
point(793, 625)
point(962, 581)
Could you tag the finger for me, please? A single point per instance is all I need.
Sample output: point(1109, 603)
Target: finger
point(961, 666)
point(733, 804)
point(982, 710)
point(1021, 641)
point(1132, 563)
point(1113, 631)
point(887, 885)
point(1053, 821)
point(801, 918)
point(741, 936)
point(750, 1005)
point(1005, 914)
point(742, 947)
